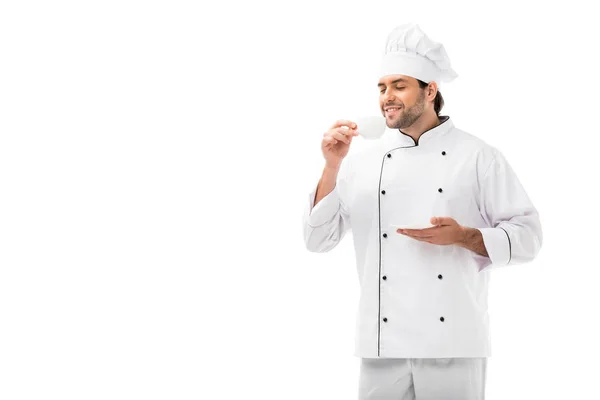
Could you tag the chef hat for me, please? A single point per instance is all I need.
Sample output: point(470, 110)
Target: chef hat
point(408, 51)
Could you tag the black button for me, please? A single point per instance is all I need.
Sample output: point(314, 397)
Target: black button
point(443, 153)
point(389, 155)
point(385, 320)
point(385, 235)
point(439, 277)
point(384, 277)
point(442, 319)
point(383, 192)
point(440, 190)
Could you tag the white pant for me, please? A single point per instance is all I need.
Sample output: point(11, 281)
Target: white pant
point(422, 378)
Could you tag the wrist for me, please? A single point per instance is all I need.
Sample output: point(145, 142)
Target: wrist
point(465, 233)
point(332, 167)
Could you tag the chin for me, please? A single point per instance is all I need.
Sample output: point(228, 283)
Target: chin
point(392, 123)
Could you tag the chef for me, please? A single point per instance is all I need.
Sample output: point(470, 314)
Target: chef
point(432, 209)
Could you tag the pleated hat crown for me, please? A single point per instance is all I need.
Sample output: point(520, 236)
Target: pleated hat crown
point(409, 51)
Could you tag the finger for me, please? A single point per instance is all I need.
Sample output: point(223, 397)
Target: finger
point(346, 132)
point(330, 145)
point(409, 231)
point(329, 140)
point(344, 122)
point(420, 239)
point(419, 234)
point(431, 229)
point(341, 137)
point(349, 133)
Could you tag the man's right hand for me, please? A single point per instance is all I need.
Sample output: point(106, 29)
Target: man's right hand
point(336, 142)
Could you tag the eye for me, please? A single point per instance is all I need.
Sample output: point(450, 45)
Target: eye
point(381, 91)
point(400, 87)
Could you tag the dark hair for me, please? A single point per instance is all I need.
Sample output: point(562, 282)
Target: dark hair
point(438, 102)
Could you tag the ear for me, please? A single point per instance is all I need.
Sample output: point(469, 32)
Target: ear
point(432, 89)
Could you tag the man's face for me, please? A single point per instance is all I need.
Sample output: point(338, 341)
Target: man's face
point(401, 100)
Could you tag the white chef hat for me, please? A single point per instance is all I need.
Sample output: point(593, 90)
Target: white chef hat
point(408, 51)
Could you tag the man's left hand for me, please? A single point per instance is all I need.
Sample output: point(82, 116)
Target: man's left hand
point(446, 231)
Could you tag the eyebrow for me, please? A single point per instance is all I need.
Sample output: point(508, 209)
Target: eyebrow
point(396, 81)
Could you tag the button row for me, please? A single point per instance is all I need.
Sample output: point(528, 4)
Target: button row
point(439, 277)
point(439, 190)
point(389, 155)
point(441, 319)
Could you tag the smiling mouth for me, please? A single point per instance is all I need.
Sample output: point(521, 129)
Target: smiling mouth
point(392, 110)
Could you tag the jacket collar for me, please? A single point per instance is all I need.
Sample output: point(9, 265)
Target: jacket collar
point(400, 139)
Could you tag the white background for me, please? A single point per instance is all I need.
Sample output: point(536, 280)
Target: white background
point(156, 158)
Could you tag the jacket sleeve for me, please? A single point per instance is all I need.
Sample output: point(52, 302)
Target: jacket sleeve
point(514, 232)
point(326, 224)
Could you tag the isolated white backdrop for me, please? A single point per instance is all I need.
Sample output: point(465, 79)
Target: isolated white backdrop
point(156, 157)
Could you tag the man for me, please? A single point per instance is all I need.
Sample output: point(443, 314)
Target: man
point(423, 327)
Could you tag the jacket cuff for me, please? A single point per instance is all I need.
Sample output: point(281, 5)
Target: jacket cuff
point(325, 209)
point(497, 245)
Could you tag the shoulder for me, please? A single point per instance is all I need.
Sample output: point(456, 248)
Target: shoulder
point(469, 140)
point(483, 152)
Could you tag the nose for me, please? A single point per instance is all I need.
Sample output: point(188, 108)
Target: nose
point(388, 97)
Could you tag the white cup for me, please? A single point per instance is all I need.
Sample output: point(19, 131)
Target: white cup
point(371, 127)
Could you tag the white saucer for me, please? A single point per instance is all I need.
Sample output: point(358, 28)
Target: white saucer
point(413, 226)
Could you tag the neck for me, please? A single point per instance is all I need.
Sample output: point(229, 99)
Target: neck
point(427, 121)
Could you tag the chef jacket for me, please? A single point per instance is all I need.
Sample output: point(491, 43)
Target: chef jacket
point(417, 299)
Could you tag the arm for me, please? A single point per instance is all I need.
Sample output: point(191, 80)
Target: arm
point(514, 232)
point(326, 219)
point(473, 240)
point(327, 183)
